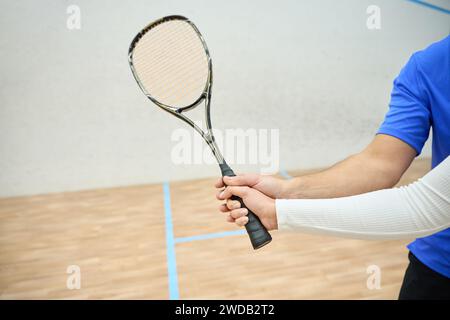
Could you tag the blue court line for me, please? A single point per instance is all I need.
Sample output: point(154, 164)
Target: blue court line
point(284, 174)
point(431, 6)
point(210, 236)
point(171, 240)
point(170, 243)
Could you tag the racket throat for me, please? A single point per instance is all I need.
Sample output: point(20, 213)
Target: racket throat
point(224, 167)
point(209, 139)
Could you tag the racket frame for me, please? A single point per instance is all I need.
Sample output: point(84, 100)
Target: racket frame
point(177, 111)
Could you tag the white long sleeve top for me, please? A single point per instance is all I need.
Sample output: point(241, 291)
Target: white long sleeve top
point(419, 209)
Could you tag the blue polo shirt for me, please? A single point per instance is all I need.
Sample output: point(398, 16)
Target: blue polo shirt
point(420, 100)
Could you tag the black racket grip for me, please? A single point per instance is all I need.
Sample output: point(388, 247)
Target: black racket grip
point(258, 234)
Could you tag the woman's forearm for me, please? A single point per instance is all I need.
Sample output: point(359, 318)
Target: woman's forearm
point(419, 209)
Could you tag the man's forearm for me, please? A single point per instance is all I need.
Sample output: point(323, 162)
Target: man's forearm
point(379, 166)
point(349, 177)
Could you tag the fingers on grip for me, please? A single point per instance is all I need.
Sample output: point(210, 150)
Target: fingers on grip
point(259, 236)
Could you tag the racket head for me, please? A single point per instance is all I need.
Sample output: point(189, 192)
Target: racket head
point(171, 63)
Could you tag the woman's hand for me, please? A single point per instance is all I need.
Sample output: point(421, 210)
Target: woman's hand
point(260, 204)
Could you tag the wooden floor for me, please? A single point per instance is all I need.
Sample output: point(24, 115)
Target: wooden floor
point(118, 239)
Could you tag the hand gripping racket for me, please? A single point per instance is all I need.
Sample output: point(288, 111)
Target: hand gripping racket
point(171, 64)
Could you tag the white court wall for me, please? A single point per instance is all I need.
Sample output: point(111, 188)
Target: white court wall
point(72, 117)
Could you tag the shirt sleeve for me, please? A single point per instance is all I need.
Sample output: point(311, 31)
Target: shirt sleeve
point(419, 209)
point(409, 116)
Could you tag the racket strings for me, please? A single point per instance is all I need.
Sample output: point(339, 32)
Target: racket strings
point(171, 63)
point(172, 69)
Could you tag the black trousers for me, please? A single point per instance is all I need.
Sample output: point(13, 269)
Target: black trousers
point(423, 283)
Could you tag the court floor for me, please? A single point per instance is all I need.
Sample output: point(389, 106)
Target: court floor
point(168, 241)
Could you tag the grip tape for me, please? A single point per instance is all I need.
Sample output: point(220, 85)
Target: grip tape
point(258, 234)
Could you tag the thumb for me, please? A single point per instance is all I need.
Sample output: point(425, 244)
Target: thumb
point(242, 180)
point(241, 192)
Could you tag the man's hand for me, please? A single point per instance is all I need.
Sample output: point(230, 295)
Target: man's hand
point(380, 165)
point(260, 204)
